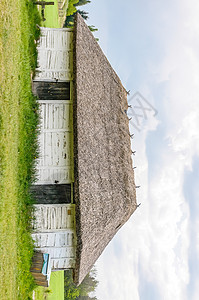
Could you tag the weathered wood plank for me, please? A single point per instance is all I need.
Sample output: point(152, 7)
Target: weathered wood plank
point(54, 239)
point(56, 39)
point(36, 269)
point(56, 144)
point(63, 263)
point(60, 252)
point(39, 276)
point(54, 63)
point(45, 90)
point(52, 193)
point(41, 283)
point(49, 110)
point(54, 217)
point(50, 175)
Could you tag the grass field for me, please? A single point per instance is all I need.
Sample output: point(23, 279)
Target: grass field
point(18, 131)
point(55, 290)
point(57, 286)
point(51, 15)
point(54, 19)
point(18, 123)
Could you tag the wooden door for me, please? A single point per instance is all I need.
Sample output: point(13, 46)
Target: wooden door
point(55, 164)
point(55, 54)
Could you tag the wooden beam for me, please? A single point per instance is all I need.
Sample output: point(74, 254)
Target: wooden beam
point(43, 3)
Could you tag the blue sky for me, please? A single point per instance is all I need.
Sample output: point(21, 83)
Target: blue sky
point(154, 48)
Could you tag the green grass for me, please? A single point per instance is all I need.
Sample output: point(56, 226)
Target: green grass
point(18, 130)
point(51, 14)
point(42, 293)
point(56, 286)
point(55, 290)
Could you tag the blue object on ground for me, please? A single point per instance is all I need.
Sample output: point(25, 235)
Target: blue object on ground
point(45, 264)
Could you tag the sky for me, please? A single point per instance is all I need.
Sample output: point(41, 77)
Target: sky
point(154, 48)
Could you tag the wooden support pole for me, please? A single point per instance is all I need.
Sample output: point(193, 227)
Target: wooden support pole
point(43, 3)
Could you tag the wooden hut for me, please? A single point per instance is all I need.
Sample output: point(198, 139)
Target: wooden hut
point(85, 190)
point(54, 224)
point(41, 268)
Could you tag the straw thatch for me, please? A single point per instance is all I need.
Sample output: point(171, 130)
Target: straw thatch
point(104, 180)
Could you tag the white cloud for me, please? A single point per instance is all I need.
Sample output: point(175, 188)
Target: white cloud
point(156, 238)
point(185, 141)
point(169, 213)
point(97, 19)
point(196, 291)
point(168, 225)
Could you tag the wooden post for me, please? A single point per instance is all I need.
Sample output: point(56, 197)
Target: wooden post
point(43, 3)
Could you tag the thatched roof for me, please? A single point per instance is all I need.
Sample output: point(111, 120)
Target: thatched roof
point(104, 181)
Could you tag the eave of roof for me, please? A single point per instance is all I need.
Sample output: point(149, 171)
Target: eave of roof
point(104, 179)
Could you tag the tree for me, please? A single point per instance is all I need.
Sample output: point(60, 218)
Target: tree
point(70, 289)
point(69, 22)
point(89, 283)
point(81, 292)
point(82, 2)
point(83, 13)
point(72, 10)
